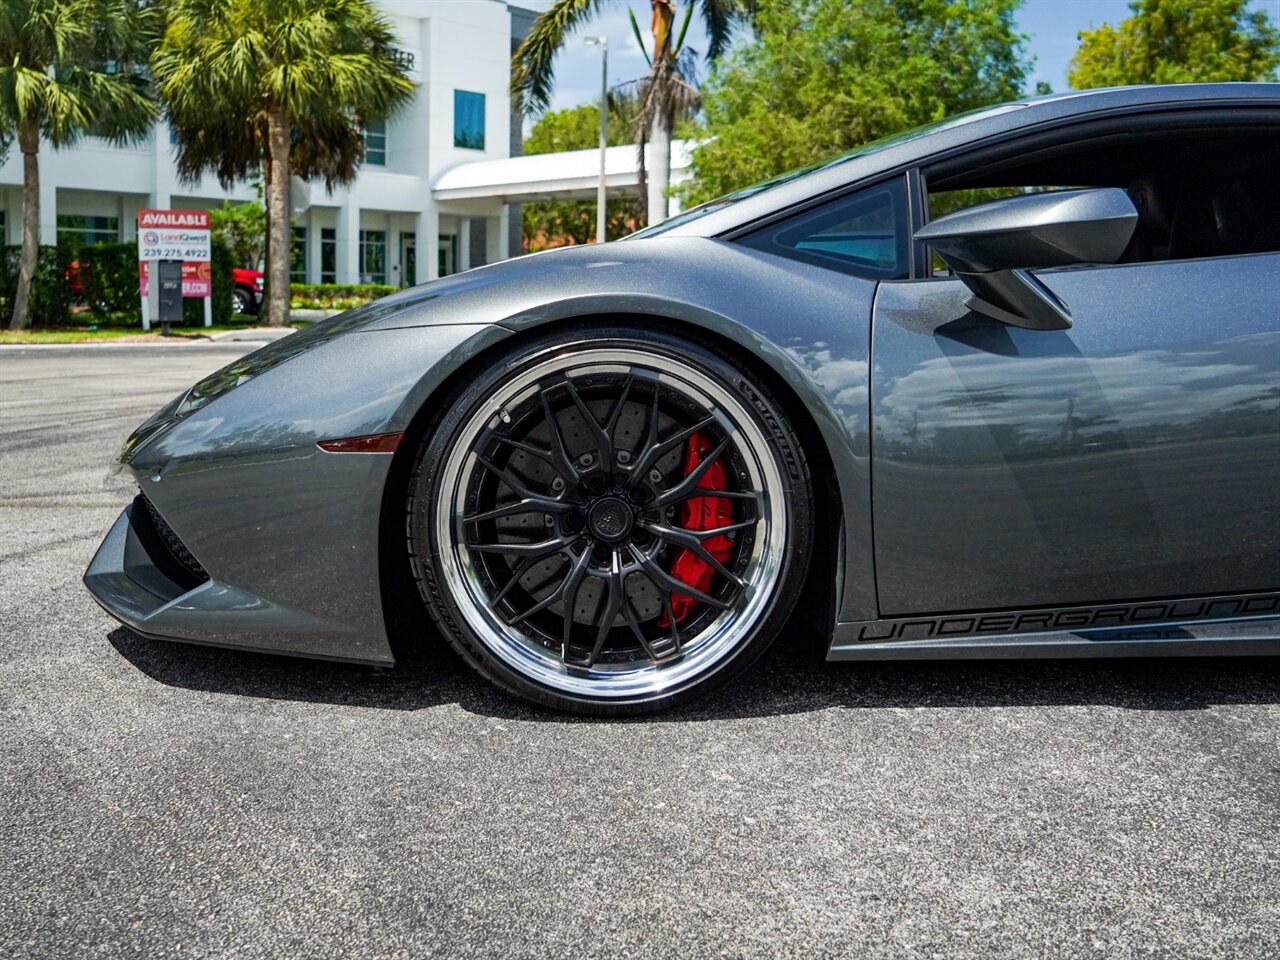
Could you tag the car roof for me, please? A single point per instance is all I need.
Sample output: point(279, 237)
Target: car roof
point(918, 146)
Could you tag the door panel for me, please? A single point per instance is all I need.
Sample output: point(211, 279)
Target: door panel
point(1134, 456)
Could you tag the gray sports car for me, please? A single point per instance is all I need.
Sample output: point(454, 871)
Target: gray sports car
point(1007, 385)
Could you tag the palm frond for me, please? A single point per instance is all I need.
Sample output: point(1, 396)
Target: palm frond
point(531, 66)
point(635, 28)
point(224, 65)
point(720, 17)
point(684, 28)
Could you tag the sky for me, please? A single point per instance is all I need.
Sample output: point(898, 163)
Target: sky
point(1052, 26)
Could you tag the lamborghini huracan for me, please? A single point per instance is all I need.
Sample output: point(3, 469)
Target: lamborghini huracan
point(1005, 385)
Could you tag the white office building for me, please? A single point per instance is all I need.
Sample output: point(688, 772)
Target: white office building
point(387, 226)
point(440, 190)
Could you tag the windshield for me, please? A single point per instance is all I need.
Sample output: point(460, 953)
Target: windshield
point(875, 146)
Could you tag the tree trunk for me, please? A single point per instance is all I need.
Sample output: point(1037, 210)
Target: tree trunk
point(659, 166)
point(29, 141)
point(278, 239)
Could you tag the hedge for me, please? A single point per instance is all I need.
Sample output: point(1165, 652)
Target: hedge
point(335, 296)
point(108, 279)
point(50, 292)
point(108, 275)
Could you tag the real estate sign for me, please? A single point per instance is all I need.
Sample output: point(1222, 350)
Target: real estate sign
point(177, 235)
point(197, 278)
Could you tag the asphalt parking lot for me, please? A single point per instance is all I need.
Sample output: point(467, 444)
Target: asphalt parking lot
point(166, 800)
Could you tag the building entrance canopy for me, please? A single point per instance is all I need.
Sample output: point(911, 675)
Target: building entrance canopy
point(569, 175)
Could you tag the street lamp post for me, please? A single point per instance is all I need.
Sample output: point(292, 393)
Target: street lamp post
point(603, 43)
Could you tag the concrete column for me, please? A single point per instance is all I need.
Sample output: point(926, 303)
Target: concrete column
point(427, 233)
point(498, 237)
point(348, 241)
point(48, 202)
point(393, 251)
point(313, 248)
point(515, 229)
point(464, 244)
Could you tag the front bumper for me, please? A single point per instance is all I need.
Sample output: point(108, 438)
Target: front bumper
point(139, 581)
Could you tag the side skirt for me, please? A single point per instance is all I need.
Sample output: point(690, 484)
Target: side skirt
point(1241, 624)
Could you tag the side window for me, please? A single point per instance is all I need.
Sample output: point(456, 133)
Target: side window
point(1198, 191)
point(863, 234)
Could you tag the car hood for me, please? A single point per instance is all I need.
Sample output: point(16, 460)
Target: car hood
point(505, 292)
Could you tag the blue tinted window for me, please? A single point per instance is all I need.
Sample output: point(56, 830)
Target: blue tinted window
point(375, 143)
point(864, 234)
point(468, 120)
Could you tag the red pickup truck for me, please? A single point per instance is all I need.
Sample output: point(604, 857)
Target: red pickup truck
point(247, 295)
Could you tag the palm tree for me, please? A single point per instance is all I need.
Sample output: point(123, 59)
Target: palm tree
point(68, 68)
point(664, 92)
point(281, 86)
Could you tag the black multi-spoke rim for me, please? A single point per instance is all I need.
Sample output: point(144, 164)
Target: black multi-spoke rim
point(576, 491)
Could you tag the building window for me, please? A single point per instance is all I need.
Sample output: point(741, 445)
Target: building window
point(328, 255)
point(89, 230)
point(468, 120)
point(375, 143)
point(298, 256)
point(373, 256)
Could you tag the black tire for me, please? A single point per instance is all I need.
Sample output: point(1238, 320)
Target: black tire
point(450, 588)
point(243, 302)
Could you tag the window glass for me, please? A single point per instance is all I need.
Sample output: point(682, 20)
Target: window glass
point(89, 230)
point(373, 256)
point(468, 120)
point(864, 234)
point(298, 256)
point(375, 143)
point(328, 255)
point(1198, 192)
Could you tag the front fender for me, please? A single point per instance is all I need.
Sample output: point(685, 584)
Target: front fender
point(277, 522)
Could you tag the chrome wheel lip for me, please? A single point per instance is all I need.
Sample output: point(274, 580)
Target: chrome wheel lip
point(701, 654)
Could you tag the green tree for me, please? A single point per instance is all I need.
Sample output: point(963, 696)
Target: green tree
point(821, 77)
point(278, 86)
point(557, 222)
point(68, 68)
point(243, 228)
point(1178, 41)
point(663, 93)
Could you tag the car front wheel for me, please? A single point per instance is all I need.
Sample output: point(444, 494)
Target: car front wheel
point(610, 521)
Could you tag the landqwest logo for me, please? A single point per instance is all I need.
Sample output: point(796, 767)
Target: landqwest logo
point(194, 219)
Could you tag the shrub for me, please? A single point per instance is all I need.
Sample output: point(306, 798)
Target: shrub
point(335, 296)
point(50, 292)
point(108, 277)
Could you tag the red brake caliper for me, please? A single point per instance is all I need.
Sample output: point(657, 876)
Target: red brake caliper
point(700, 513)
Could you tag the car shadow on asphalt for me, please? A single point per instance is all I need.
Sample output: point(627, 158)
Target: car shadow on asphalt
point(793, 678)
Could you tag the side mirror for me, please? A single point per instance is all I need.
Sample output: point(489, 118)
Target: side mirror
point(991, 246)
